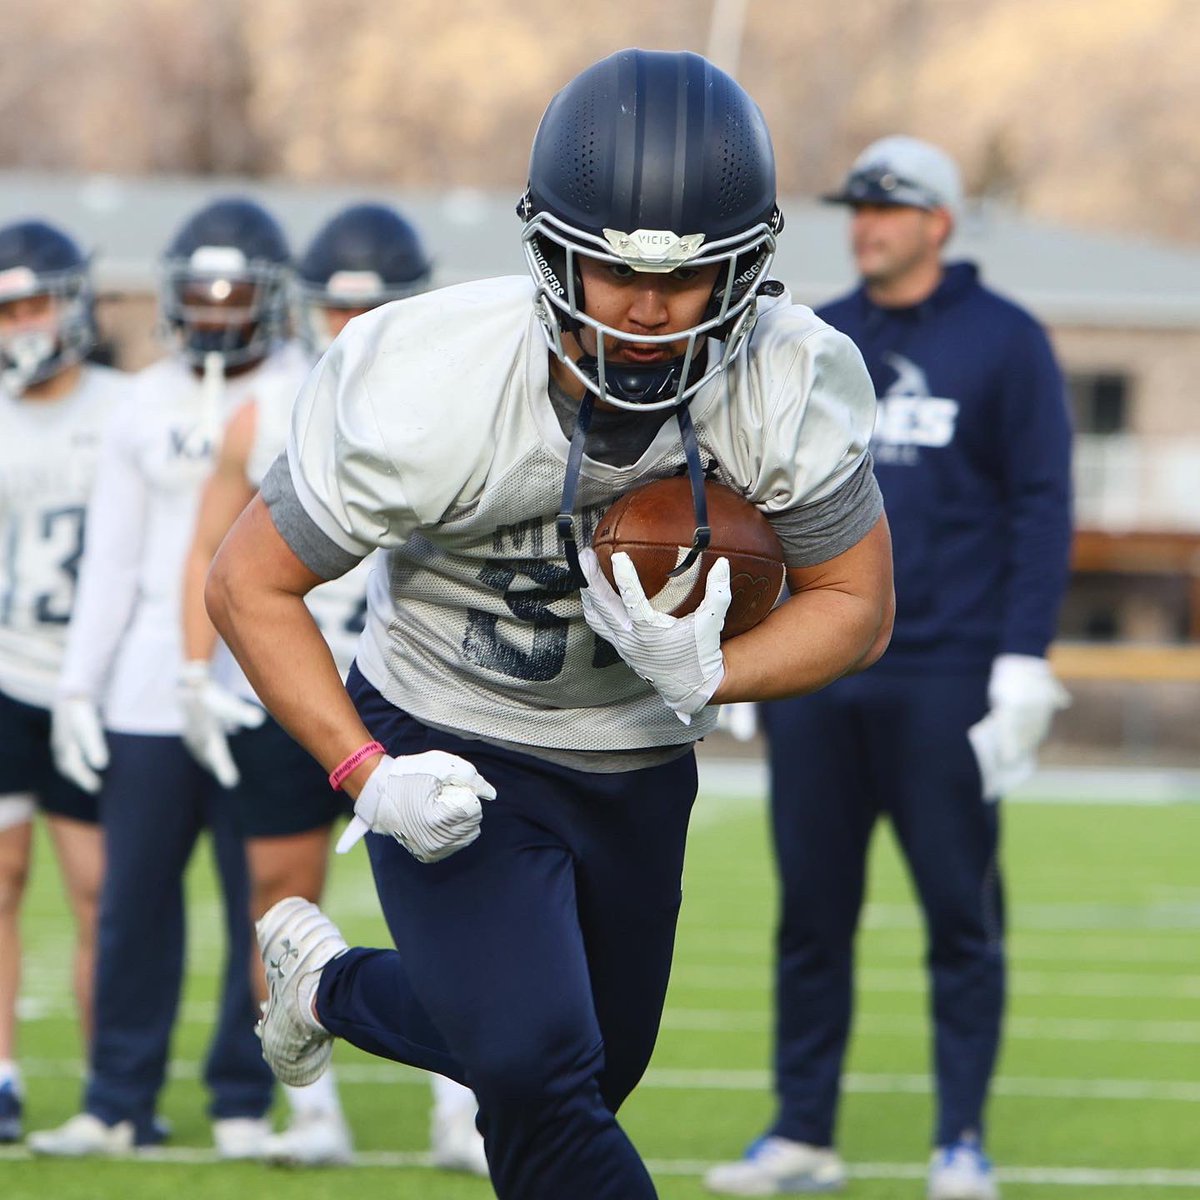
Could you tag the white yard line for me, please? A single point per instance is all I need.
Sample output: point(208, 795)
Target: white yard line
point(1123, 786)
point(1148, 1177)
point(1021, 1028)
point(724, 977)
point(744, 1080)
point(707, 1020)
point(753, 943)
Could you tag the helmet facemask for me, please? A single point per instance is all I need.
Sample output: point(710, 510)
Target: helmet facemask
point(552, 248)
point(350, 291)
point(217, 302)
point(45, 346)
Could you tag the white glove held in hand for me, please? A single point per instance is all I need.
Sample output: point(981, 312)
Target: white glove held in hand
point(209, 713)
point(428, 802)
point(77, 741)
point(680, 657)
point(1024, 696)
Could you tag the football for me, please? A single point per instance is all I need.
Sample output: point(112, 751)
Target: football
point(654, 525)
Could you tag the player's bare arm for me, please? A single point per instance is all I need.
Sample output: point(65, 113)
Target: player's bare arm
point(837, 619)
point(255, 597)
point(226, 492)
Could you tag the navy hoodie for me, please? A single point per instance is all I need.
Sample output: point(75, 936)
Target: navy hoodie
point(972, 450)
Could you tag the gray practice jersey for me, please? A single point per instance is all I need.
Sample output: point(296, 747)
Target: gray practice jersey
point(428, 430)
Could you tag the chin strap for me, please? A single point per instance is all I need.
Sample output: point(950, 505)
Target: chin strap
point(564, 521)
point(566, 507)
point(691, 449)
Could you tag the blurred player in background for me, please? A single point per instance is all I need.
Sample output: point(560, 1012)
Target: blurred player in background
point(224, 303)
point(459, 431)
point(364, 256)
point(53, 409)
point(972, 453)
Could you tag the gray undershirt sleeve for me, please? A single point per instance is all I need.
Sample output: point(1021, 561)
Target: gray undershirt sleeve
point(310, 544)
point(815, 533)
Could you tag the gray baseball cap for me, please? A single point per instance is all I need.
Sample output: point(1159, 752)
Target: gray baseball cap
point(902, 171)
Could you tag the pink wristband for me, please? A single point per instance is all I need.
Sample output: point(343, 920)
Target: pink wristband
point(346, 767)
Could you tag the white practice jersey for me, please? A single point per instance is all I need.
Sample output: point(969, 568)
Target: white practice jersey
point(340, 606)
point(124, 646)
point(48, 454)
point(427, 430)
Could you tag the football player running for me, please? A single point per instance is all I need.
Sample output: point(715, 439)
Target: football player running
point(122, 713)
point(53, 407)
point(519, 747)
point(364, 256)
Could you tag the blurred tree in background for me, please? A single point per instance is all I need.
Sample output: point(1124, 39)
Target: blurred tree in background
point(1079, 110)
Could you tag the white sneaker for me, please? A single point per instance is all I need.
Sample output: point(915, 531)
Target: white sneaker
point(240, 1137)
point(313, 1139)
point(83, 1136)
point(775, 1166)
point(962, 1172)
point(296, 939)
point(455, 1143)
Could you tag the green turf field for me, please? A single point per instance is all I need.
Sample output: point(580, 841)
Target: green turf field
point(1098, 1092)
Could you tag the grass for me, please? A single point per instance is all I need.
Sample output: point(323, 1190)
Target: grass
point(1098, 1092)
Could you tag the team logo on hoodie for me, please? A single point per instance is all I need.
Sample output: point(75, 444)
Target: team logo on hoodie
point(909, 417)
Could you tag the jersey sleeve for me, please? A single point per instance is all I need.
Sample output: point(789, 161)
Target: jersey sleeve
point(815, 482)
point(108, 570)
point(814, 533)
point(344, 479)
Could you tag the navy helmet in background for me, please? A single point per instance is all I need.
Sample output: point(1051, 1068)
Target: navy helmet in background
point(225, 283)
point(38, 260)
point(363, 256)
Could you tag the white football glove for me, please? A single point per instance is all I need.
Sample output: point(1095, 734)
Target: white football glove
point(680, 657)
point(210, 712)
point(1024, 696)
point(77, 741)
point(739, 720)
point(428, 802)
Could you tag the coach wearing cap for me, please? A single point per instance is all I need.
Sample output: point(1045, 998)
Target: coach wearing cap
point(972, 453)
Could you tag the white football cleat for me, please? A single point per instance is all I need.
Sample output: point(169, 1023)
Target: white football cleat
point(775, 1166)
point(313, 1139)
point(83, 1136)
point(296, 939)
point(236, 1138)
point(455, 1143)
point(962, 1172)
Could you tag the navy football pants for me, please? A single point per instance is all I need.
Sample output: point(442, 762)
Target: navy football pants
point(531, 966)
point(155, 801)
point(868, 745)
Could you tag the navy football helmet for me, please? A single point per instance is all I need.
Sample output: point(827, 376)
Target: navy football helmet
point(655, 161)
point(364, 256)
point(224, 285)
point(41, 263)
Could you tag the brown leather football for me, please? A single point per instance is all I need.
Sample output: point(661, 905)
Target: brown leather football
point(654, 524)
